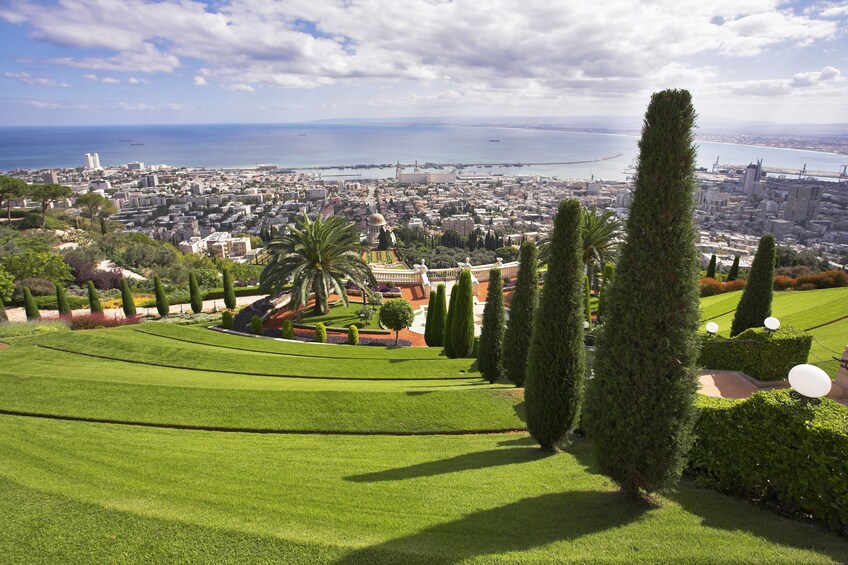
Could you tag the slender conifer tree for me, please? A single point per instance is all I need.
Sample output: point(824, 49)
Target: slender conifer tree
point(522, 307)
point(94, 305)
point(428, 324)
point(711, 268)
point(30, 307)
point(755, 305)
point(640, 404)
point(447, 332)
point(733, 273)
point(490, 351)
point(440, 312)
point(162, 306)
point(127, 300)
point(195, 297)
point(462, 325)
point(62, 301)
point(229, 292)
point(553, 393)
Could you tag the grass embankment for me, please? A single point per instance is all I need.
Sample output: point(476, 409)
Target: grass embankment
point(93, 492)
point(820, 312)
point(317, 394)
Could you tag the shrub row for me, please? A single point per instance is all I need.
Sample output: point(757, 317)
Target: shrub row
point(764, 355)
point(711, 287)
point(91, 321)
point(812, 281)
point(218, 293)
point(770, 449)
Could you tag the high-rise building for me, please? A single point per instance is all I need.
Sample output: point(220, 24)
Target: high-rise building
point(50, 177)
point(752, 181)
point(92, 161)
point(802, 203)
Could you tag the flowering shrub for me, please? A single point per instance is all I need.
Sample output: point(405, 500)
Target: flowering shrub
point(710, 286)
point(91, 321)
point(827, 279)
point(782, 282)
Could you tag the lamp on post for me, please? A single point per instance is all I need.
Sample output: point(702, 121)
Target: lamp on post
point(712, 328)
point(771, 323)
point(809, 383)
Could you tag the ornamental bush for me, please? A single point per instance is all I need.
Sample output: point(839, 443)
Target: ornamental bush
point(462, 325)
point(127, 300)
point(396, 314)
point(353, 335)
point(227, 320)
point(320, 332)
point(755, 304)
point(639, 410)
point(62, 305)
point(196, 298)
point(94, 299)
point(30, 308)
point(711, 268)
point(522, 307)
point(490, 349)
point(287, 330)
point(256, 325)
point(553, 392)
point(764, 355)
point(429, 326)
point(229, 293)
point(773, 450)
point(162, 306)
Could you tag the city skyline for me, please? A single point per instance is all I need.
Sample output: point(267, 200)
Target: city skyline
point(79, 62)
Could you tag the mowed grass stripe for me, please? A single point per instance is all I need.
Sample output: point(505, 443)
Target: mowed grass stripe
point(203, 335)
point(141, 348)
point(28, 361)
point(410, 411)
point(356, 500)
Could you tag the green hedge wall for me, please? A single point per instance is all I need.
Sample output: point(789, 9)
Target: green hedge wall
point(764, 355)
point(49, 302)
point(771, 449)
point(218, 293)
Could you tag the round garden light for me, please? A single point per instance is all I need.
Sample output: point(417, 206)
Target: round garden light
point(712, 328)
point(585, 325)
point(772, 323)
point(808, 383)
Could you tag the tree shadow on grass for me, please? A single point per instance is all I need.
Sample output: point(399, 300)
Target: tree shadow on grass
point(726, 512)
point(464, 462)
point(519, 526)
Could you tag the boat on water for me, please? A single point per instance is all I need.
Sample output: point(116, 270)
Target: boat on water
point(136, 144)
point(494, 141)
point(124, 140)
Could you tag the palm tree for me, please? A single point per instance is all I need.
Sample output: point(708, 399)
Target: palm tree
point(600, 237)
point(315, 257)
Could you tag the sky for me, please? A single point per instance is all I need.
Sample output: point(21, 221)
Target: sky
point(96, 62)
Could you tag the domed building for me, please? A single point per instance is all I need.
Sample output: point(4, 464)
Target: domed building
point(375, 223)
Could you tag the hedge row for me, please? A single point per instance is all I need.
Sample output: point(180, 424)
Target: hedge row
point(764, 355)
point(773, 450)
point(218, 293)
point(711, 287)
point(813, 281)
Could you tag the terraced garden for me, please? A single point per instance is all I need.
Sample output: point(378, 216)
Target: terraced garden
point(823, 313)
point(368, 455)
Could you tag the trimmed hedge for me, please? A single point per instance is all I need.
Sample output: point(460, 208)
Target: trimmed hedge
point(773, 450)
point(764, 355)
point(287, 330)
point(227, 320)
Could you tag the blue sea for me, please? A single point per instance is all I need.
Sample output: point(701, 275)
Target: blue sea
point(319, 144)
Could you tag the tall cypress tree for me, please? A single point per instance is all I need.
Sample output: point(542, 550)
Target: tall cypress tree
point(733, 273)
point(609, 275)
point(711, 268)
point(447, 331)
point(194, 294)
point(490, 352)
point(127, 299)
point(62, 301)
point(428, 325)
point(587, 300)
point(30, 307)
point(553, 393)
point(229, 292)
point(462, 325)
point(755, 304)
point(94, 305)
point(639, 409)
point(162, 305)
point(522, 307)
point(440, 312)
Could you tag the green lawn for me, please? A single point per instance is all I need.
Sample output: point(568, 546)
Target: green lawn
point(341, 316)
point(820, 312)
point(85, 492)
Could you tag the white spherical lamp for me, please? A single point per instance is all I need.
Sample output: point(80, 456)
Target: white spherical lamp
point(771, 323)
point(809, 380)
point(585, 325)
point(712, 328)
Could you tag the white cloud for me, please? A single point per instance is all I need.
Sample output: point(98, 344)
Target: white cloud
point(110, 80)
point(200, 81)
point(239, 87)
point(104, 80)
point(135, 80)
point(28, 79)
point(835, 10)
point(108, 106)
